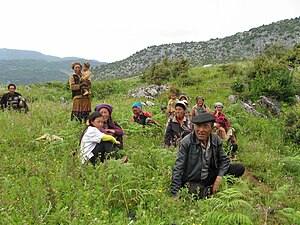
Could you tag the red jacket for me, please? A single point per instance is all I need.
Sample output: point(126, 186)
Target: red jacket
point(222, 120)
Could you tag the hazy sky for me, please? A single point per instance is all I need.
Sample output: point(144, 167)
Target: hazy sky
point(113, 30)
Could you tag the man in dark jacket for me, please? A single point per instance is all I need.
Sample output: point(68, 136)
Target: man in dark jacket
point(201, 161)
point(13, 99)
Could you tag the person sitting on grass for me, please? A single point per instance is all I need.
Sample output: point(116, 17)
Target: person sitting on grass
point(178, 126)
point(13, 100)
point(201, 162)
point(199, 107)
point(223, 128)
point(141, 117)
point(110, 126)
point(94, 144)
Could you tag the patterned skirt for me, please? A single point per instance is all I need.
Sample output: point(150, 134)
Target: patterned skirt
point(81, 108)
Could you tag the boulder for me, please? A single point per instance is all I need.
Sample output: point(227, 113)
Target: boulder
point(270, 105)
point(249, 108)
point(149, 92)
point(232, 99)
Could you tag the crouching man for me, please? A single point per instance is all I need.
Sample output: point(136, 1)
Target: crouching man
point(201, 162)
point(13, 100)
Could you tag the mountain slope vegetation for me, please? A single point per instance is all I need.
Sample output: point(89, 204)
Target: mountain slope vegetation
point(42, 182)
point(238, 47)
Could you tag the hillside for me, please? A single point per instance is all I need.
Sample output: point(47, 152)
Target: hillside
point(42, 183)
point(29, 67)
point(238, 47)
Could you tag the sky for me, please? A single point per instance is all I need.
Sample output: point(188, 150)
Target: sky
point(113, 30)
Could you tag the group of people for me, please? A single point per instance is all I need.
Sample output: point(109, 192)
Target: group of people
point(201, 161)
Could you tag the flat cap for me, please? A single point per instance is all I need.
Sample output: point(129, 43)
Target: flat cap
point(203, 118)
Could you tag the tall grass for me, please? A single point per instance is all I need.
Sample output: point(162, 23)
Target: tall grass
point(43, 183)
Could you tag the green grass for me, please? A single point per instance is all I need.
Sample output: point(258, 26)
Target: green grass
point(44, 184)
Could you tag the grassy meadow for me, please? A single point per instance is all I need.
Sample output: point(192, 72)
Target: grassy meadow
point(43, 183)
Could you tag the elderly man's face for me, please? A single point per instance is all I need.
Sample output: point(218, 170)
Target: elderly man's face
point(203, 131)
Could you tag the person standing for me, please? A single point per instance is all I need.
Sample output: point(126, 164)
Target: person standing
point(81, 104)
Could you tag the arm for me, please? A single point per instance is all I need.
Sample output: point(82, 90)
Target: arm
point(73, 86)
point(109, 138)
point(118, 129)
point(178, 170)
point(223, 166)
point(168, 136)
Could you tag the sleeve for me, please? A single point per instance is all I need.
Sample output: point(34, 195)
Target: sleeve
point(73, 86)
point(193, 112)
point(168, 136)
point(178, 170)
point(227, 123)
point(147, 114)
point(118, 129)
point(170, 106)
point(110, 138)
point(223, 160)
point(93, 135)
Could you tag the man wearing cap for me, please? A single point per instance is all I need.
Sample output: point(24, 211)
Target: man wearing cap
point(201, 161)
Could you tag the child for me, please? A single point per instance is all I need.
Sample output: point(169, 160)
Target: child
point(93, 142)
point(171, 104)
point(86, 78)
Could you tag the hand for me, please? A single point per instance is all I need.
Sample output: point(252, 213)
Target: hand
point(21, 103)
point(118, 143)
point(217, 184)
point(110, 131)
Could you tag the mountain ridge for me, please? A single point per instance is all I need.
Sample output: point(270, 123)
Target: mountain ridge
point(237, 47)
point(29, 67)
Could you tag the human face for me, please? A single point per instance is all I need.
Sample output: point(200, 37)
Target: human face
point(203, 131)
point(173, 96)
point(98, 122)
point(200, 102)
point(77, 69)
point(105, 113)
point(11, 89)
point(219, 108)
point(84, 68)
point(179, 112)
point(136, 111)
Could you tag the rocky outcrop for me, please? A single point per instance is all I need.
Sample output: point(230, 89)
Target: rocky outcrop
point(270, 105)
point(248, 107)
point(150, 92)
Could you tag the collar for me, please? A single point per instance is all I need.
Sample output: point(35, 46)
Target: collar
point(175, 120)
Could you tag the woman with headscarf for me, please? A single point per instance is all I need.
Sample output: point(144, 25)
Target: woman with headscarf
point(110, 127)
point(178, 126)
point(81, 104)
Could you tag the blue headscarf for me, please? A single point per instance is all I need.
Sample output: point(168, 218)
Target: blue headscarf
point(136, 105)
